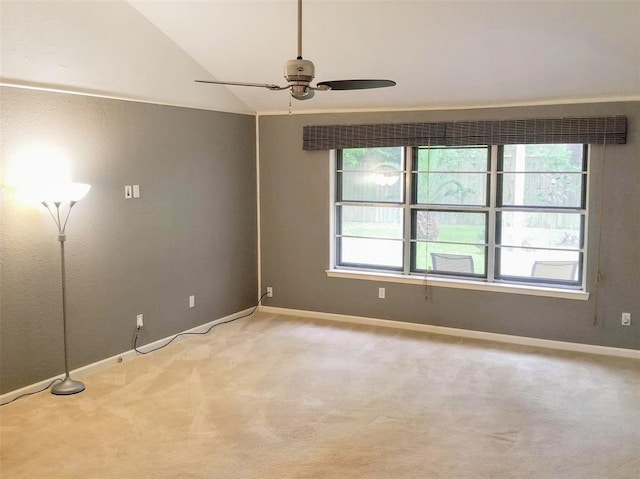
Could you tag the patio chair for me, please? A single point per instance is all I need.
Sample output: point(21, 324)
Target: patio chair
point(452, 263)
point(563, 270)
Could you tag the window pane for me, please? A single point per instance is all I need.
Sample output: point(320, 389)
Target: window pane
point(528, 158)
point(371, 221)
point(466, 189)
point(369, 159)
point(371, 187)
point(543, 175)
point(542, 189)
point(371, 252)
point(453, 159)
point(450, 226)
point(540, 230)
point(457, 259)
point(539, 265)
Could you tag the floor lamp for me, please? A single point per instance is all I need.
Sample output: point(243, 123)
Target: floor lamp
point(57, 196)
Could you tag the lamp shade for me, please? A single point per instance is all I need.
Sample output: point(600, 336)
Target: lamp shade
point(63, 192)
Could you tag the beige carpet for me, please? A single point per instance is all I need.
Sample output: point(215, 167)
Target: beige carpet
point(277, 397)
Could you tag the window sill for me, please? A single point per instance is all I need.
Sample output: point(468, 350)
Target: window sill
point(460, 284)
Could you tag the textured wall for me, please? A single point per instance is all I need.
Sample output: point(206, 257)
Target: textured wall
point(295, 239)
point(193, 231)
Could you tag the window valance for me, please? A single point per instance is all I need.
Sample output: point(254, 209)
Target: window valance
point(592, 130)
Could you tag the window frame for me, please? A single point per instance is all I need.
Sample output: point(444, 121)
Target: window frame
point(581, 210)
point(339, 203)
point(493, 209)
point(449, 207)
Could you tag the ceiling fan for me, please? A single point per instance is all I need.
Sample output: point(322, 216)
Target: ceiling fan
point(299, 74)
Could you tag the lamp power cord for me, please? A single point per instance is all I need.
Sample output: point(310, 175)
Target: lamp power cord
point(201, 333)
point(135, 347)
point(32, 393)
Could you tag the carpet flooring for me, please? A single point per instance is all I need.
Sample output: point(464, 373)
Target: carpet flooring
point(281, 397)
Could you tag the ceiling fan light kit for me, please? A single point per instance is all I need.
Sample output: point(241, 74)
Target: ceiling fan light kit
point(299, 74)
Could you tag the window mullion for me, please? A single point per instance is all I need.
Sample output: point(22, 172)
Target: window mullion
point(491, 227)
point(408, 199)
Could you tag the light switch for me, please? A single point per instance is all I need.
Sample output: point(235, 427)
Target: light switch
point(136, 191)
point(127, 192)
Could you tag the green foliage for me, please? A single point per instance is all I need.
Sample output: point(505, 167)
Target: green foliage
point(559, 157)
point(371, 230)
point(552, 157)
point(455, 190)
point(372, 158)
point(453, 159)
point(445, 176)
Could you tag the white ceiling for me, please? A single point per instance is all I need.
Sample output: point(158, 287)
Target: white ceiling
point(447, 54)
point(441, 54)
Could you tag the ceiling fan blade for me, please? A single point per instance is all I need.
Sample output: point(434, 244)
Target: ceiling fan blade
point(356, 84)
point(268, 86)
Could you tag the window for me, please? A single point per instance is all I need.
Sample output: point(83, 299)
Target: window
point(371, 207)
point(512, 213)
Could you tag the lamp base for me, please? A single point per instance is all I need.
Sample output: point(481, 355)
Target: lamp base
point(67, 387)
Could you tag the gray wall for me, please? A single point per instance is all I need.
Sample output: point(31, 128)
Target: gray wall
point(294, 189)
point(193, 231)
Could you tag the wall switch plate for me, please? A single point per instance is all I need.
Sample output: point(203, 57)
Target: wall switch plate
point(139, 321)
point(136, 191)
point(626, 319)
point(269, 292)
point(192, 301)
point(381, 293)
point(128, 192)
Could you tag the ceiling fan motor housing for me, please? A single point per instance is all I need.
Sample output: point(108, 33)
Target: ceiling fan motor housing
point(299, 70)
point(299, 74)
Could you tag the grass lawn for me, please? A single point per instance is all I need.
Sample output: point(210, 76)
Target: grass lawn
point(468, 240)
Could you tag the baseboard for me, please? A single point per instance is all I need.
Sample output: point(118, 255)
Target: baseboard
point(385, 323)
point(118, 358)
point(463, 333)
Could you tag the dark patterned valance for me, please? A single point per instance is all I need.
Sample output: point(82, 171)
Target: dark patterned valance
point(593, 130)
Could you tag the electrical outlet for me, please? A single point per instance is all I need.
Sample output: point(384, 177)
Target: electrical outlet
point(269, 292)
point(139, 321)
point(192, 301)
point(626, 319)
point(381, 293)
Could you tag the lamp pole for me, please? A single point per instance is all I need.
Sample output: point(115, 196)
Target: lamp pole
point(68, 385)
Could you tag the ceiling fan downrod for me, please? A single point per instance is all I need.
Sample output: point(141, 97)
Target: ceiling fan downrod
point(299, 73)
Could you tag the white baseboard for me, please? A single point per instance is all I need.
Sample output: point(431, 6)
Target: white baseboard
point(385, 323)
point(118, 358)
point(463, 333)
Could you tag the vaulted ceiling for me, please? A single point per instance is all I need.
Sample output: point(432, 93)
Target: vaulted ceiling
point(444, 54)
